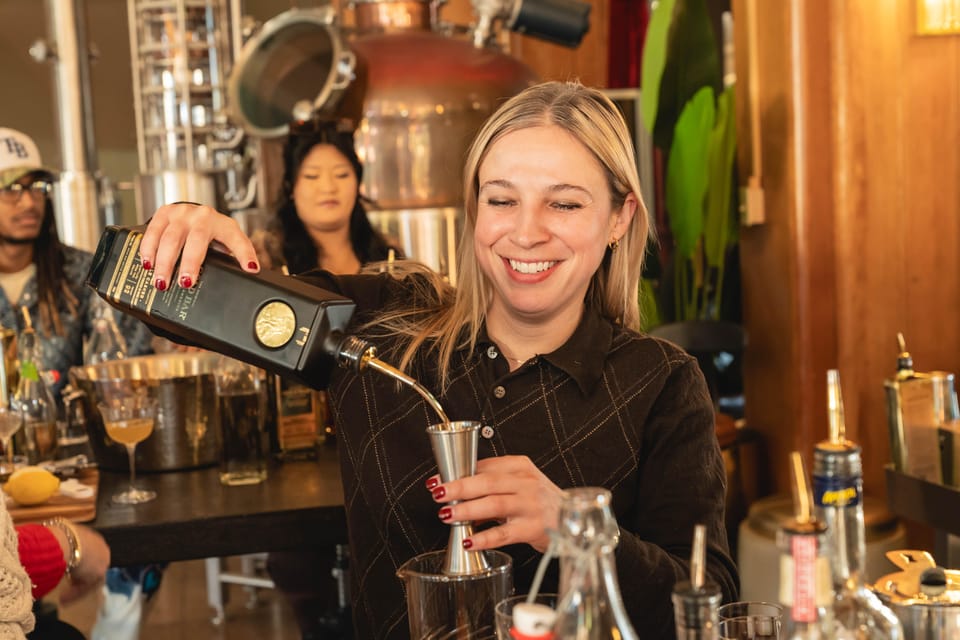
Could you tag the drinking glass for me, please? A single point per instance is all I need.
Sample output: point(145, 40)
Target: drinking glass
point(241, 404)
point(129, 410)
point(504, 611)
point(750, 620)
point(10, 422)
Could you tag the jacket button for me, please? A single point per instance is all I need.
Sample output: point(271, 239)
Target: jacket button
point(486, 431)
point(492, 352)
point(499, 391)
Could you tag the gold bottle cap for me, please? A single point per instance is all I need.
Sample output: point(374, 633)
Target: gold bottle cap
point(275, 324)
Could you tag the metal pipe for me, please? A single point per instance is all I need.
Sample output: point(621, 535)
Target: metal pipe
point(66, 22)
point(78, 215)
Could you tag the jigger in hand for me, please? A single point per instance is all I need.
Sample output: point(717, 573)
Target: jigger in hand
point(455, 448)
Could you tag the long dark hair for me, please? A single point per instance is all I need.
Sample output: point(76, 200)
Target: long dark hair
point(52, 286)
point(299, 251)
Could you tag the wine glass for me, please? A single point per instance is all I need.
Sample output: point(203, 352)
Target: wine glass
point(129, 410)
point(10, 422)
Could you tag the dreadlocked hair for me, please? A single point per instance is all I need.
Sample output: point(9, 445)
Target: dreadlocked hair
point(52, 286)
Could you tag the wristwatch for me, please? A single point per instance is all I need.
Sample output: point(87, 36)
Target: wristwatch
point(73, 541)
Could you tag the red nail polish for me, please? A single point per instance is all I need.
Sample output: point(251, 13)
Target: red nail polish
point(439, 492)
point(186, 282)
point(433, 482)
point(160, 284)
point(252, 265)
point(446, 513)
point(467, 543)
point(147, 265)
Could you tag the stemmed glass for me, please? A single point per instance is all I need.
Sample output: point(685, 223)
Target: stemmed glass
point(10, 422)
point(129, 410)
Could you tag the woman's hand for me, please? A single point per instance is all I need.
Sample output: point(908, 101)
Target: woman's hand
point(94, 560)
point(186, 230)
point(510, 490)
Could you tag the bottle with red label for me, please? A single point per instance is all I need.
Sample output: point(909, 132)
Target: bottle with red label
point(805, 584)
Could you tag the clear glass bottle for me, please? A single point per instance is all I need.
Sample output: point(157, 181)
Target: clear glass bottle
point(105, 341)
point(805, 583)
point(838, 503)
point(34, 400)
point(590, 606)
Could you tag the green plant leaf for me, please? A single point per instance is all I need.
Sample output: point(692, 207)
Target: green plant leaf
point(692, 62)
point(653, 59)
point(722, 147)
point(686, 179)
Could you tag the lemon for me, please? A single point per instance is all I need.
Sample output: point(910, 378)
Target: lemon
point(31, 485)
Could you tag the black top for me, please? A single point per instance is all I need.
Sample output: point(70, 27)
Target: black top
point(610, 408)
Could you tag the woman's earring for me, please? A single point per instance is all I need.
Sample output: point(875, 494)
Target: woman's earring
point(613, 245)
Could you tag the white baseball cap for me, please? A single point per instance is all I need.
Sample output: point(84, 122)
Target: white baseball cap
point(19, 156)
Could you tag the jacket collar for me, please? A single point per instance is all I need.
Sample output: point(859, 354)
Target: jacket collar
point(582, 356)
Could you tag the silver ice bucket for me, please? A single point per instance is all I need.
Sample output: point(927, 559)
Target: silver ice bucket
point(185, 433)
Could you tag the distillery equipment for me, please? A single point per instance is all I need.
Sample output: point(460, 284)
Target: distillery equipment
point(416, 92)
point(181, 53)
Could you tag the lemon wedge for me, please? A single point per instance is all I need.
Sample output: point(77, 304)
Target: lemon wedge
point(31, 485)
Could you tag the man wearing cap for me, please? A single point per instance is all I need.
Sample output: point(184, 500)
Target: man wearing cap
point(39, 272)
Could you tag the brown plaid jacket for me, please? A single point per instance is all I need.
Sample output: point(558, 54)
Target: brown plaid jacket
point(610, 408)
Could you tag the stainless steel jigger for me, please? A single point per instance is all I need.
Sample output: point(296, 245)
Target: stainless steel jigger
point(455, 448)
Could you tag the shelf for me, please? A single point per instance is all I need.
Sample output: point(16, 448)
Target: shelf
point(926, 502)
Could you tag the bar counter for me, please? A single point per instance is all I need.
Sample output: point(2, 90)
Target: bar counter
point(299, 506)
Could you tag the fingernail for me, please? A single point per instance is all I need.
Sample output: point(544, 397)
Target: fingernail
point(467, 543)
point(433, 482)
point(446, 513)
point(186, 281)
point(160, 284)
point(439, 492)
point(252, 265)
point(147, 265)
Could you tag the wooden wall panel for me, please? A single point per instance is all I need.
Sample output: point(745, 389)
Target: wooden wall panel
point(860, 135)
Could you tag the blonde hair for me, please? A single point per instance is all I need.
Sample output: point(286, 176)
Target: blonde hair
point(451, 321)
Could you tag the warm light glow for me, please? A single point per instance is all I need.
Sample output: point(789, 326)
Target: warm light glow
point(937, 17)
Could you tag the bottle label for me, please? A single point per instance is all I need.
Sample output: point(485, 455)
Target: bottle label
point(837, 492)
point(804, 552)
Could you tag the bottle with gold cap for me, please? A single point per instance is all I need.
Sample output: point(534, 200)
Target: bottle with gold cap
point(838, 503)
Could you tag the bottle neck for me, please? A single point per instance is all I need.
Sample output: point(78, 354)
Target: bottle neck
point(590, 603)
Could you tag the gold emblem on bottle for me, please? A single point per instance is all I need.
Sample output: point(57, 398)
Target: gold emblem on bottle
point(275, 324)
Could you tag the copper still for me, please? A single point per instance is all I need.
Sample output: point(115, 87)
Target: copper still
point(417, 96)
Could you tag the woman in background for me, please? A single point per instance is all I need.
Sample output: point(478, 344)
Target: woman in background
point(320, 223)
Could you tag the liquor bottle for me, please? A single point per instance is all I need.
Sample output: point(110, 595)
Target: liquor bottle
point(590, 606)
point(805, 583)
point(300, 417)
point(695, 602)
point(838, 500)
point(33, 398)
point(272, 321)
